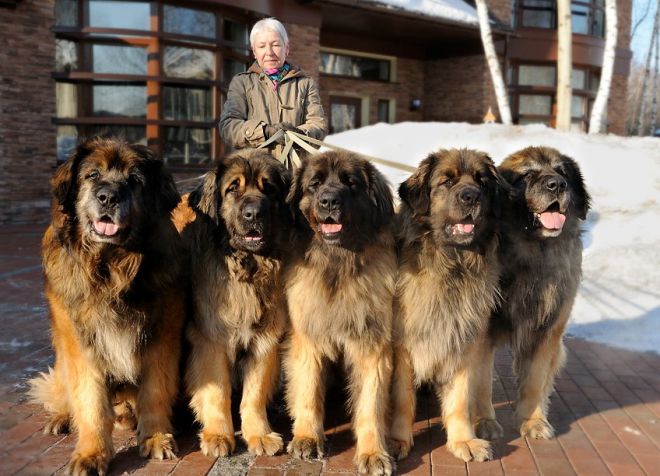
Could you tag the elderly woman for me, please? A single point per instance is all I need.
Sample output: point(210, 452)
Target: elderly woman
point(271, 95)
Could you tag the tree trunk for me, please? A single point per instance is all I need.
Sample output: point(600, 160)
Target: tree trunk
point(600, 104)
point(654, 107)
point(564, 64)
point(501, 92)
point(642, 101)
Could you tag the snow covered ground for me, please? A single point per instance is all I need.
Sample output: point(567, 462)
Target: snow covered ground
point(619, 299)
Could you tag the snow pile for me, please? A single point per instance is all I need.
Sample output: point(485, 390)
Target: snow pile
point(453, 10)
point(619, 299)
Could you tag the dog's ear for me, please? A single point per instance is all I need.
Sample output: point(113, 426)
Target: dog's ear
point(380, 194)
point(580, 196)
point(295, 190)
point(205, 199)
point(283, 177)
point(415, 191)
point(167, 194)
point(501, 190)
point(65, 179)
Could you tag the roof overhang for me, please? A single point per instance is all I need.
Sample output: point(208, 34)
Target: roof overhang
point(374, 26)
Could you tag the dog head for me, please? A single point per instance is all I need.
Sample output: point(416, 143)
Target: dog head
point(344, 199)
point(246, 193)
point(455, 193)
point(111, 192)
point(548, 190)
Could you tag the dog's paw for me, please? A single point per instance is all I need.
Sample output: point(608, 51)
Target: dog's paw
point(269, 444)
point(58, 424)
point(216, 445)
point(399, 449)
point(158, 446)
point(88, 465)
point(537, 428)
point(375, 464)
point(306, 448)
point(125, 418)
point(488, 429)
point(471, 450)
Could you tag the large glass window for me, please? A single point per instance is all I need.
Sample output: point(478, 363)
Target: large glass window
point(186, 104)
point(119, 59)
point(535, 75)
point(66, 55)
point(356, 66)
point(119, 14)
point(187, 21)
point(158, 77)
point(66, 12)
point(119, 100)
point(188, 63)
point(533, 93)
point(588, 16)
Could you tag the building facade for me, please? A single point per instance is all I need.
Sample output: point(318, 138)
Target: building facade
point(156, 71)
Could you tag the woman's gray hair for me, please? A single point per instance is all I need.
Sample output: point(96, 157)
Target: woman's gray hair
point(269, 24)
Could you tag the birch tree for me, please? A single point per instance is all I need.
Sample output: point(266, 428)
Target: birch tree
point(501, 93)
point(611, 32)
point(564, 64)
point(642, 102)
point(654, 107)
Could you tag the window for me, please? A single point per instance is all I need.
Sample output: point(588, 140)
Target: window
point(533, 93)
point(383, 110)
point(118, 14)
point(152, 71)
point(538, 13)
point(187, 21)
point(371, 68)
point(588, 16)
point(345, 113)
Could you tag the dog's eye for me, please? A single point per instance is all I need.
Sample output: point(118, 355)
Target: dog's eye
point(560, 170)
point(136, 178)
point(93, 175)
point(446, 182)
point(315, 182)
point(233, 187)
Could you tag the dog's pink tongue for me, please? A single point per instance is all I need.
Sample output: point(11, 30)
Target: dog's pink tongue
point(105, 228)
point(463, 228)
point(552, 220)
point(330, 227)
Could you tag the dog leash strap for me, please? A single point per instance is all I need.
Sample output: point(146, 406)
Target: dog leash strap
point(272, 139)
point(388, 163)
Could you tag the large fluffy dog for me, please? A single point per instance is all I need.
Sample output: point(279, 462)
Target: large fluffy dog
point(236, 243)
point(446, 291)
point(339, 290)
point(541, 254)
point(112, 271)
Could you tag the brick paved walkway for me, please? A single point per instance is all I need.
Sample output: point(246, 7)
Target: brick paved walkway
point(606, 408)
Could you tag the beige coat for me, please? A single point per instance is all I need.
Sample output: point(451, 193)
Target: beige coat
point(252, 103)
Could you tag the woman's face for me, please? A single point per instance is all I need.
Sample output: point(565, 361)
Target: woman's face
point(269, 50)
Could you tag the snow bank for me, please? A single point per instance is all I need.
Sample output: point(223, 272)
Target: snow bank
point(619, 299)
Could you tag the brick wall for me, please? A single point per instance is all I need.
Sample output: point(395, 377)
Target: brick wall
point(458, 89)
point(27, 103)
point(304, 48)
point(409, 84)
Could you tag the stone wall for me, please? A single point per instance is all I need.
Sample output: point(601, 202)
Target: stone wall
point(27, 103)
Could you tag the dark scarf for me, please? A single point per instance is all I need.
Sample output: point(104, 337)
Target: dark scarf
point(276, 74)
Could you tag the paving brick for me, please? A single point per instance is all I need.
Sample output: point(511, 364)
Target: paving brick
point(550, 458)
point(580, 452)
